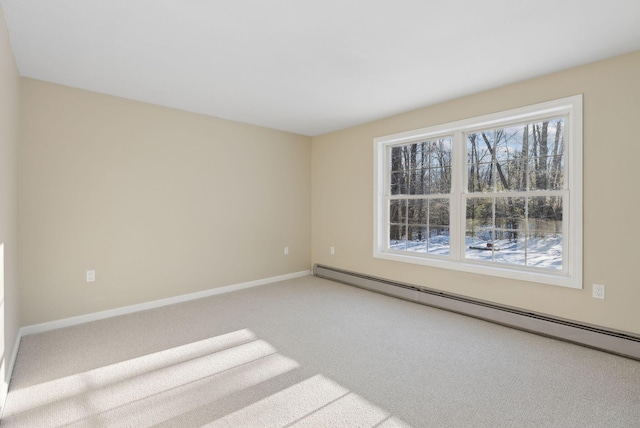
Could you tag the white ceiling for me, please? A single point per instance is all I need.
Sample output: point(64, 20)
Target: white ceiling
point(310, 66)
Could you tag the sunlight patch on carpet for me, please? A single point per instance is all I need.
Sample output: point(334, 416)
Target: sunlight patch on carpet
point(196, 380)
point(314, 402)
point(164, 380)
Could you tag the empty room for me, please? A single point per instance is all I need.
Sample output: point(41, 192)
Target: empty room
point(324, 214)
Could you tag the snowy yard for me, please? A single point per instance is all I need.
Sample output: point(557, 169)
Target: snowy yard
point(539, 252)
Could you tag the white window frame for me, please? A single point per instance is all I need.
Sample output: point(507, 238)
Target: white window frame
point(571, 274)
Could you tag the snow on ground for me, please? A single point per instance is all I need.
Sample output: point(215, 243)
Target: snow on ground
point(437, 245)
point(542, 252)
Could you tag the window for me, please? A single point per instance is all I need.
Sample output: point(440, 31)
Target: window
point(499, 194)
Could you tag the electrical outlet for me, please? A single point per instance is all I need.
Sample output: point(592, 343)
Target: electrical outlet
point(598, 291)
point(286, 251)
point(332, 250)
point(91, 276)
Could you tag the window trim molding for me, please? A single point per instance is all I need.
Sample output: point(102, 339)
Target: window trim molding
point(571, 107)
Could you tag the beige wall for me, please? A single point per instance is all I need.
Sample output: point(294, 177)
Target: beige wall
point(9, 123)
point(342, 189)
point(162, 202)
point(159, 202)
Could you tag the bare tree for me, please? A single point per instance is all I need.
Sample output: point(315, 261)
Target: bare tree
point(503, 180)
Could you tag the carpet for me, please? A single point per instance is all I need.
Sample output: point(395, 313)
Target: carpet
point(315, 353)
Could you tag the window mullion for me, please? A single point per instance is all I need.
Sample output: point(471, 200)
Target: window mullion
point(458, 183)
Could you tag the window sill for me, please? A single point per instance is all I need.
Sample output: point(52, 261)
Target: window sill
point(524, 274)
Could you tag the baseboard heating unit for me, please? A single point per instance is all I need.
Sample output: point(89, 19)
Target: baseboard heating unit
point(616, 342)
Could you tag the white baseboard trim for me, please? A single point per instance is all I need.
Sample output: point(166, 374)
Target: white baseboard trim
point(81, 319)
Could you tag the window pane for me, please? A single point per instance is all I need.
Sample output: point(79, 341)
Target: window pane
point(545, 214)
point(420, 155)
point(438, 212)
point(417, 239)
point(419, 225)
point(510, 247)
point(547, 173)
point(480, 177)
point(544, 247)
point(556, 172)
point(400, 170)
point(544, 250)
point(502, 155)
point(545, 152)
point(419, 182)
point(517, 158)
point(510, 159)
point(399, 183)
point(510, 213)
point(421, 168)
point(398, 211)
point(479, 214)
point(438, 241)
point(397, 237)
point(399, 159)
point(480, 162)
point(439, 227)
point(482, 143)
point(477, 248)
point(556, 136)
point(440, 180)
point(440, 152)
point(417, 211)
point(509, 233)
point(523, 231)
point(479, 229)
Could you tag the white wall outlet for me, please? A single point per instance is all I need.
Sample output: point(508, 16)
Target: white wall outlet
point(286, 251)
point(91, 275)
point(332, 250)
point(598, 291)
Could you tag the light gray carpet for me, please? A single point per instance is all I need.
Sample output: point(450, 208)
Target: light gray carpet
point(311, 352)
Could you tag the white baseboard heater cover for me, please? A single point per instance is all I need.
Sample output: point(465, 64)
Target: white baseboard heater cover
point(616, 342)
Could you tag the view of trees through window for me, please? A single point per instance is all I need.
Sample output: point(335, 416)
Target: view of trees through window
point(515, 181)
point(513, 202)
point(418, 212)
